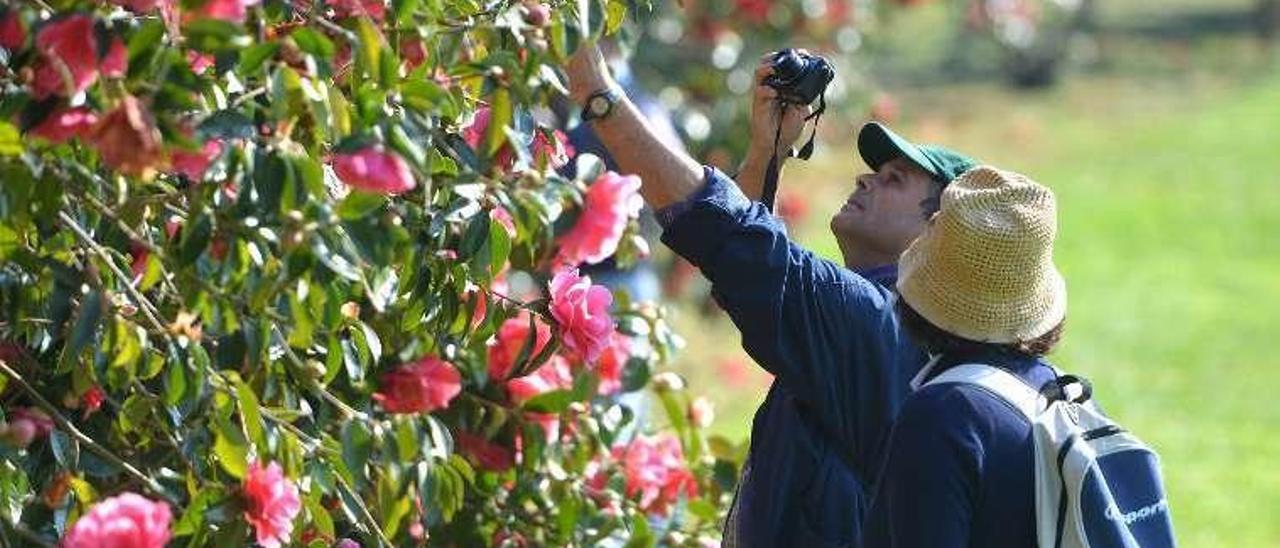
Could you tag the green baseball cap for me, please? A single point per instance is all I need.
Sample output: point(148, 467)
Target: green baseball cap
point(878, 144)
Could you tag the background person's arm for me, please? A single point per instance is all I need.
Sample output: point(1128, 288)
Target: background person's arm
point(669, 175)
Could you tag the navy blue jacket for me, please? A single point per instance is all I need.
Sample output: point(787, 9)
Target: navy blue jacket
point(842, 367)
point(959, 469)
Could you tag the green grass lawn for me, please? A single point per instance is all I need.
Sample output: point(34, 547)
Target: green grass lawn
point(1170, 241)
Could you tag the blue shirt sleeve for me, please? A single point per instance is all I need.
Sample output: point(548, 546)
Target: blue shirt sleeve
point(827, 334)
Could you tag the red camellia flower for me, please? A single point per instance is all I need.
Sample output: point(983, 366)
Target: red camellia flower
point(484, 453)
point(419, 387)
point(116, 62)
point(69, 57)
point(127, 520)
point(91, 400)
point(655, 471)
point(199, 62)
point(611, 364)
point(511, 338)
point(374, 169)
point(554, 151)
point(374, 9)
point(12, 33)
point(64, 124)
point(193, 163)
point(271, 504)
point(582, 311)
point(610, 203)
point(128, 140)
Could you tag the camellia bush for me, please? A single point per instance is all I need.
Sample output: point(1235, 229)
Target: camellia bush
point(302, 272)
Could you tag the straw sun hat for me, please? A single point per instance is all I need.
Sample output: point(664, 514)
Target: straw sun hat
point(983, 269)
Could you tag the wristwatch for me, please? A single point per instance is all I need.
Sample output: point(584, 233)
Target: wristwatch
point(600, 104)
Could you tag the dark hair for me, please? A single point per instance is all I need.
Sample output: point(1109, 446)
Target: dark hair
point(935, 340)
point(933, 202)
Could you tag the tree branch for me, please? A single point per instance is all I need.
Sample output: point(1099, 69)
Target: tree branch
point(79, 436)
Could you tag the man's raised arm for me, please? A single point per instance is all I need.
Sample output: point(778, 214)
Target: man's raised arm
point(668, 175)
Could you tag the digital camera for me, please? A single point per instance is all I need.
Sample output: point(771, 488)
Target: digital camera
point(799, 77)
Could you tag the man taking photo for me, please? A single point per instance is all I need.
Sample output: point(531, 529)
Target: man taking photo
point(828, 332)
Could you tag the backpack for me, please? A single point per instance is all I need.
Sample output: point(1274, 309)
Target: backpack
point(1097, 485)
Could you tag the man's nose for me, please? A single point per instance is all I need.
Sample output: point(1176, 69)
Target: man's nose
point(862, 182)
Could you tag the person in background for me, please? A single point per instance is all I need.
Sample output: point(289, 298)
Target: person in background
point(979, 286)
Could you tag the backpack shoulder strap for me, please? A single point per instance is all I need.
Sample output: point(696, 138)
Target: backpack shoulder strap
point(999, 382)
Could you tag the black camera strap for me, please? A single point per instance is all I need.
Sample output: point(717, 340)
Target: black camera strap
point(770, 191)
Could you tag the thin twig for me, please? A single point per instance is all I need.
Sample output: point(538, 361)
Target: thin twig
point(364, 512)
point(88, 442)
point(148, 309)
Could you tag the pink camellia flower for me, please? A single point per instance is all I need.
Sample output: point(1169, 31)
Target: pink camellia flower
point(64, 124)
point(271, 504)
point(127, 139)
point(419, 387)
point(26, 424)
point(374, 169)
point(68, 57)
point(199, 62)
point(582, 311)
point(226, 10)
point(611, 364)
point(553, 375)
point(610, 203)
point(126, 520)
point(655, 470)
point(512, 335)
point(552, 151)
point(12, 34)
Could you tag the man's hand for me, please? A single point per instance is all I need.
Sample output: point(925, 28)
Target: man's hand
point(767, 112)
point(587, 72)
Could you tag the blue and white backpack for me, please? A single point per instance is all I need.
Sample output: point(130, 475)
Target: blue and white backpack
point(1097, 485)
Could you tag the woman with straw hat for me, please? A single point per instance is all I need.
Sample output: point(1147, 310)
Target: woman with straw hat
point(978, 286)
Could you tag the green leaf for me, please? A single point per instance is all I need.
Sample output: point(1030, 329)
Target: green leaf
point(66, 450)
point(146, 38)
point(369, 48)
point(314, 42)
point(554, 401)
point(501, 113)
point(615, 15)
point(367, 342)
point(251, 414)
point(252, 58)
point(231, 450)
point(86, 327)
point(360, 204)
point(357, 447)
point(193, 518)
point(214, 35)
point(229, 125)
point(195, 239)
point(10, 140)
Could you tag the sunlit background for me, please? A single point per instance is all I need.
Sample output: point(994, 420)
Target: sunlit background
point(1160, 131)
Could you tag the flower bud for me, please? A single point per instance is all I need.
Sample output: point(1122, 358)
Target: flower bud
point(668, 381)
